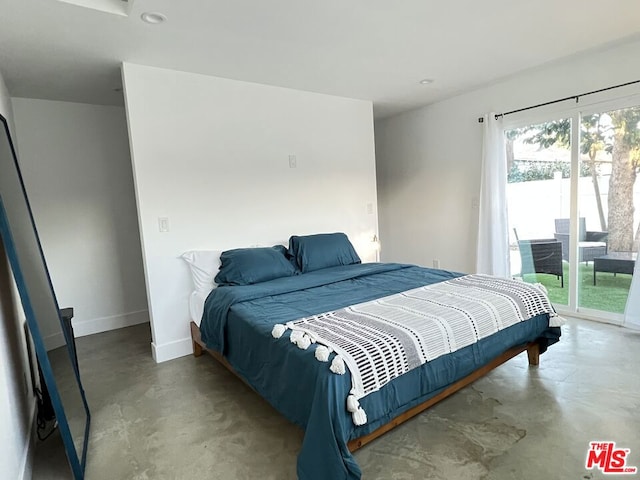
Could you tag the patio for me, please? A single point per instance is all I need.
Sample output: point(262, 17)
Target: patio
point(609, 295)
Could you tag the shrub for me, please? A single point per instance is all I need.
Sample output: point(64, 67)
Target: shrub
point(530, 170)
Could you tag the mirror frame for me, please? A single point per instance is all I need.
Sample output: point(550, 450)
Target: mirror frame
point(76, 463)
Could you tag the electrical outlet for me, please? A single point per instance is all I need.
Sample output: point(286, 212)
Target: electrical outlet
point(293, 161)
point(370, 208)
point(436, 263)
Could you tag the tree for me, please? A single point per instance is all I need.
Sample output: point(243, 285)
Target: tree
point(625, 157)
point(616, 133)
point(559, 132)
point(591, 143)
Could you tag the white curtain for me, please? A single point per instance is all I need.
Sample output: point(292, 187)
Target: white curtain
point(632, 311)
point(493, 234)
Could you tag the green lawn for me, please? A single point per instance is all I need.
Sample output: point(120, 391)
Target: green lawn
point(609, 295)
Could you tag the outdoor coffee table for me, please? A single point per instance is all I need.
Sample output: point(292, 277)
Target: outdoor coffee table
point(615, 262)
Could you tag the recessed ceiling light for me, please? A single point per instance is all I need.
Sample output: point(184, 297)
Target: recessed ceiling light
point(426, 81)
point(154, 18)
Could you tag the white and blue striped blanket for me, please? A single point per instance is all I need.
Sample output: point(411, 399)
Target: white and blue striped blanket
point(382, 339)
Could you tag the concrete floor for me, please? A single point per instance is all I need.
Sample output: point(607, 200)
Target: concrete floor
point(190, 418)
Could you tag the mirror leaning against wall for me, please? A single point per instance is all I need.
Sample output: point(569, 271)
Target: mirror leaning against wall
point(52, 339)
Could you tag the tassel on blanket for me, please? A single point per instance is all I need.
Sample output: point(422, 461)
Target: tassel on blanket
point(322, 353)
point(359, 417)
point(352, 404)
point(278, 330)
point(295, 336)
point(304, 342)
point(301, 339)
point(556, 320)
point(337, 366)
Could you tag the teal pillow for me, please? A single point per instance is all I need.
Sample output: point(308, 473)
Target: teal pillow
point(323, 250)
point(246, 266)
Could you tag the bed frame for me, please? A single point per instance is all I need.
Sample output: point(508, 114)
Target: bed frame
point(533, 352)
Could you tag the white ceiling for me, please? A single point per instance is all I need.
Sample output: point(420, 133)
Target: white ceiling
point(368, 49)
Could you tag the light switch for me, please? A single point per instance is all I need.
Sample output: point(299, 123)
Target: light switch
point(163, 224)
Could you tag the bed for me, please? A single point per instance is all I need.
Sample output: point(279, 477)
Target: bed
point(250, 328)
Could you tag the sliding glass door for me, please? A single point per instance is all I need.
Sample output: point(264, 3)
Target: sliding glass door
point(574, 205)
point(608, 200)
point(538, 197)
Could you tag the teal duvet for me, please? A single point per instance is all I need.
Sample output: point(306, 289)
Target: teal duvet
point(237, 322)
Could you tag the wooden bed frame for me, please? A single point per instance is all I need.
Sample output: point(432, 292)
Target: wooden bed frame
point(533, 352)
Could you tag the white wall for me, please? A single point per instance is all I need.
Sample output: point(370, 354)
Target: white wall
point(16, 398)
point(428, 160)
point(77, 171)
point(212, 155)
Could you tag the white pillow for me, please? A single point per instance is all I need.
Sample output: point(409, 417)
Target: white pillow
point(204, 266)
point(196, 305)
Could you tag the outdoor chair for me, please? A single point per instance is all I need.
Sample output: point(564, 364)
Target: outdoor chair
point(590, 244)
point(541, 256)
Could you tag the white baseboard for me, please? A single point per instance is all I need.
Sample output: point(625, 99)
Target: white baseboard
point(26, 466)
point(53, 341)
point(105, 324)
point(171, 350)
point(97, 325)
